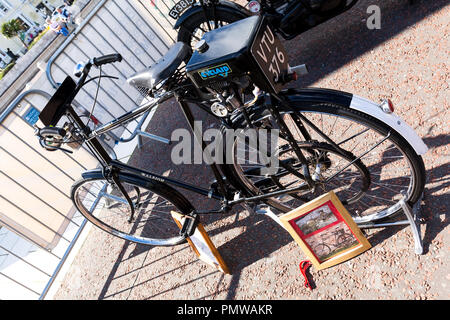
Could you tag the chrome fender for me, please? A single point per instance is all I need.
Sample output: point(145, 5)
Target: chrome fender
point(398, 124)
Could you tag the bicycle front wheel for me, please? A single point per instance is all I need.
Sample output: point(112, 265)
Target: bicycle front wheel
point(104, 204)
point(370, 171)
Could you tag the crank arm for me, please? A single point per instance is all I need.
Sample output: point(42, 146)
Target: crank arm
point(303, 187)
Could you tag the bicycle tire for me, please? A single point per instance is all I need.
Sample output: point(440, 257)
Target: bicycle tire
point(344, 239)
point(322, 249)
point(417, 174)
point(188, 27)
point(111, 210)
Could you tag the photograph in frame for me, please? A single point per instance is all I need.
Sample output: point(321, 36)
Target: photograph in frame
point(325, 231)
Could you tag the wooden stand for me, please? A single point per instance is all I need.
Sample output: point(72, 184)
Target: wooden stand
point(202, 245)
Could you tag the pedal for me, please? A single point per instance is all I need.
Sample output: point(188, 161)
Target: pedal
point(189, 225)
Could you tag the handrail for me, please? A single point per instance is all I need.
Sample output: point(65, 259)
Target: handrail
point(138, 130)
point(14, 103)
point(67, 42)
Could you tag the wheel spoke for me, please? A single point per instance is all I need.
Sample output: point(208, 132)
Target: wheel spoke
point(152, 223)
point(365, 167)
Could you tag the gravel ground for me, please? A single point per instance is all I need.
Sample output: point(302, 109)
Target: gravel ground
point(407, 61)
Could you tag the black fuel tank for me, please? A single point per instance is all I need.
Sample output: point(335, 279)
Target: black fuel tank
point(247, 46)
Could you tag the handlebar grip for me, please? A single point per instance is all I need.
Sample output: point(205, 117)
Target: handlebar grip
point(109, 58)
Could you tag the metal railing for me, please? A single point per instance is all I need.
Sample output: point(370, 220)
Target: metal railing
point(150, 41)
point(74, 224)
point(148, 35)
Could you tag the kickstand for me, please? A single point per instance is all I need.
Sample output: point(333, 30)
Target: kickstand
point(412, 215)
point(265, 210)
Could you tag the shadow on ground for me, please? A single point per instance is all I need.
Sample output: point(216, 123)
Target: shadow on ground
point(337, 42)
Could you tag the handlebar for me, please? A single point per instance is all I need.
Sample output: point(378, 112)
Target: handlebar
point(82, 71)
point(109, 58)
point(52, 137)
point(83, 68)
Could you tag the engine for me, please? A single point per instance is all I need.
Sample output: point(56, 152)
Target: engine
point(238, 57)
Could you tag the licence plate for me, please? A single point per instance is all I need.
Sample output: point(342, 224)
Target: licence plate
point(179, 8)
point(270, 55)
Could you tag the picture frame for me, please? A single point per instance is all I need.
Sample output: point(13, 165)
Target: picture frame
point(202, 245)
point(325, 231)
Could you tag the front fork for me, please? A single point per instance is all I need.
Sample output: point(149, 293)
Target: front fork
point(111, 175)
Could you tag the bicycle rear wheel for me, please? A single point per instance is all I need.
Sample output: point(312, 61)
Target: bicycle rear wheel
point(103, 204)
point(369, 184)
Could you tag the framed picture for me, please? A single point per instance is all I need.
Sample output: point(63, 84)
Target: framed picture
point(202, 245)
point(325, 231)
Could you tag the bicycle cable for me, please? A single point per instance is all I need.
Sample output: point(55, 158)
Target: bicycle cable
point(96, 95)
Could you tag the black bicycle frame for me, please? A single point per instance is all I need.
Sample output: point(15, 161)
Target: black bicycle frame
point(112, 166)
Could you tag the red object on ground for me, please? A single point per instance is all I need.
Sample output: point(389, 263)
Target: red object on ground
point(304, 265)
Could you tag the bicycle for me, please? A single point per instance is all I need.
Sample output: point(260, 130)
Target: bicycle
point(328, 140)
point(341, 239)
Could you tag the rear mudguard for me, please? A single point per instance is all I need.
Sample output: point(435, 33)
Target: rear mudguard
point(348, 100)
point(391, 119)
point(223, 5)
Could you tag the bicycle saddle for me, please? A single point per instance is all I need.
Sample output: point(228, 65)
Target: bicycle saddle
point(161, 69)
